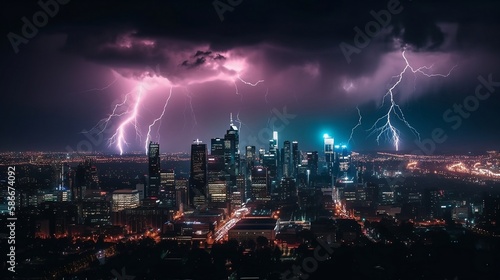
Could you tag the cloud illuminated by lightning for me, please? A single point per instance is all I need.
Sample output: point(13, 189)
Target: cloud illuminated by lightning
point(128, 111)
point(384, 125)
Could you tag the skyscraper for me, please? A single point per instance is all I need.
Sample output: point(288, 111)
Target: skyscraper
point(154, 169)
point(295, 158)
point(328, 149)
point(217, 189)
point(287, 159)
point(231, 152)
point(198, 175)
point(312, 163)
point(217, 147)
point(167, 191)
point(250, 158)
point(260, 183)
point(270, 164)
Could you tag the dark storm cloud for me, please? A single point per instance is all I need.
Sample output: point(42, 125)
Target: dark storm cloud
point(293, 45)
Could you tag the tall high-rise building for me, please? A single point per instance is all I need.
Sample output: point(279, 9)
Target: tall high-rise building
point(287, 159)
point(154, 170)
point(295, 158)
point(273, 143)
point(328, 150)
point(217, 147)
point(232, 152)
point(217, 189)
point(262, 152)
point(168, 197)
point(342, 167)
point(84, 178)
point(260, 183)
point(270, 164)
point(312, 163)
point(250, 159)
point(198, 175)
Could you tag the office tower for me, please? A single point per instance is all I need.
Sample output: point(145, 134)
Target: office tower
point(270, 163)
point(491, 208)
point(287, 159)
point(241, 185)
point(312, 163)
point(287, 190)
point(217, 147)
point(262, 152)
point(217, 190)
point(182, 193)
point(260, 179)
point(250, 159)
point(231, 152)
point(85, 177)
point(273, 143)
point(342, 161)
point(154, 170)
point(124, 199)
point(431, 199)
point(295, 158)
point(328, 149)
point(274, 150)
point(167, 191)
point(198, 175)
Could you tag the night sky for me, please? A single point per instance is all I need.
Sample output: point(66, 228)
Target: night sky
point(256, 59)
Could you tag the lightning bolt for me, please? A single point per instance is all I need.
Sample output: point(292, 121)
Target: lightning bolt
point(148, 136)
point(359, 123)
point(248, 83)
point(119, 136)
point(239, 121)
point(128, 110)
point(113, 114)
point(387, 128)
point(190, 97)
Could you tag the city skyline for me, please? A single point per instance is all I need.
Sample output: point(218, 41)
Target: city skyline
point(188, 66)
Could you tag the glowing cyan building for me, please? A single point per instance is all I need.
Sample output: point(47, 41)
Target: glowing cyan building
point(328, 149)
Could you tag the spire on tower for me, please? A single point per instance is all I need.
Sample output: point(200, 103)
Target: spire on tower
point(230, 118)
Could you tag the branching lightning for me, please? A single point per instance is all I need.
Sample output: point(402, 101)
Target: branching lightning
point(387, 128)
point(118, 137)
point(359, 123)
point(248, 83)
point(239, 121)
point(127, 111)
point(148, 136)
